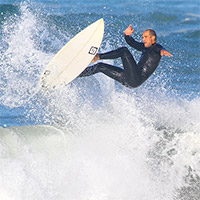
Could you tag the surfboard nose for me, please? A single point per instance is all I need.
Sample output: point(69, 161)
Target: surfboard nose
point(101, 20)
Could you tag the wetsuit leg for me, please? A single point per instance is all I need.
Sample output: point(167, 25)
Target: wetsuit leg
point(115, 73)
point(130, 76)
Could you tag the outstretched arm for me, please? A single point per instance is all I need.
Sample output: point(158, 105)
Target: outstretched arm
point(137, 45)
point(129, 31)
point(165, 53)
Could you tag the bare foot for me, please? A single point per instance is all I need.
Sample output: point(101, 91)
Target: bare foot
point(96, 57)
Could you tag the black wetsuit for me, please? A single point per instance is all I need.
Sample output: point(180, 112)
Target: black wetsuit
point(133, 74)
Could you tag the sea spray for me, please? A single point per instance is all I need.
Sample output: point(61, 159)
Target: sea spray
point(103, 141)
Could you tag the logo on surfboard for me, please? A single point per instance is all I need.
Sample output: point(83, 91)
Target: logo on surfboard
point(93, 50)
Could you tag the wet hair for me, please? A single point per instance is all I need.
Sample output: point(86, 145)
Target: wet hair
point(152, 33)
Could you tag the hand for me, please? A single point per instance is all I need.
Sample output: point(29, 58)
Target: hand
point(165, 53)
point(129, 30)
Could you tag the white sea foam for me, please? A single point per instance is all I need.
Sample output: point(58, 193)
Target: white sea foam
point(117, 152)
point(106, 142)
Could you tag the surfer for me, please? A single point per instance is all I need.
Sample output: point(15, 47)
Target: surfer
point(133, 74)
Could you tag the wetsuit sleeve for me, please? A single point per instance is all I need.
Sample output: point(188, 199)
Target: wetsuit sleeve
point(158, 48)
point(137, 45)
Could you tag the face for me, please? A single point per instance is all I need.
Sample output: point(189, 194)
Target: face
point(148, 39)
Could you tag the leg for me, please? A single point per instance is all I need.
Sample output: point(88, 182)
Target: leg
point(109, 70)
point(131, 72)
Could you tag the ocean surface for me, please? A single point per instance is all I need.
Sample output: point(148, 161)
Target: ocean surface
point(94, 139)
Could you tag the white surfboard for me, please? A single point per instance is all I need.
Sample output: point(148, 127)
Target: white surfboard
point(74, 57)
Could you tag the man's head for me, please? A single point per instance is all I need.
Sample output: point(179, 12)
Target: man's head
point(149, 37)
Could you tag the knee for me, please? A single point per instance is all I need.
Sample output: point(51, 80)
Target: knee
point(124, 51)
point(135, 84)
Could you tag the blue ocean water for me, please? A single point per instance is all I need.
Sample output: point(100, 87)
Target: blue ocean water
point(95, 139)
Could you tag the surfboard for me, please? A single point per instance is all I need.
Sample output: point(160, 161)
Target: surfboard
point(74, 57)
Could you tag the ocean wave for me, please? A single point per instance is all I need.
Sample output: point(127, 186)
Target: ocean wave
point(163, 17)
point(102, 141)
point(194, 34)
point(130, 138)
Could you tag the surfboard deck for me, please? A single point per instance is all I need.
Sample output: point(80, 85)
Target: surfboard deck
point(74, 57)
